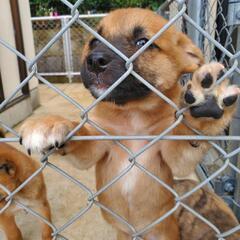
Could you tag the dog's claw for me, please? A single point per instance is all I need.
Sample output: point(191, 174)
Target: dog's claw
point(61, 146)
point(56, 144)
point(50, 148)
point(20, 140)
point(29, 152)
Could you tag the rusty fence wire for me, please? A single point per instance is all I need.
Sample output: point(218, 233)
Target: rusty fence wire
point(74, 22)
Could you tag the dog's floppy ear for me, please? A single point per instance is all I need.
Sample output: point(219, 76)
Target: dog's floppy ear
point(7, 167)
point(192, 57)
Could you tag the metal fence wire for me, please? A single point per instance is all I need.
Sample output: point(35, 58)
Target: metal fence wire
point(219, 19)
point(63, 58)
point(210, 42)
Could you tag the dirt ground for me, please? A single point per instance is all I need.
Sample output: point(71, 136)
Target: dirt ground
point(65, 198)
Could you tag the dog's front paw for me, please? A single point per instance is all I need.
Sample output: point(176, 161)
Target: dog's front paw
point(42, 134)
point(204, 97)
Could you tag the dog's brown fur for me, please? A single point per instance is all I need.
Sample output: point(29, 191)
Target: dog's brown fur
point(208, 205)
point(15, 167)
point(136, 197)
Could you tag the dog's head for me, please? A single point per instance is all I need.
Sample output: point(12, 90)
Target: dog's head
point(7, 177)
point(161, 64)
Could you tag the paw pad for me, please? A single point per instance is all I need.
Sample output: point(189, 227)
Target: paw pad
point(207, 81)
point(189, 98)
point(209, 109)
point(228, 101)
point(205, 98)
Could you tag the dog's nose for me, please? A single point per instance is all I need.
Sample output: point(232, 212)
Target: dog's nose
point(97, 62)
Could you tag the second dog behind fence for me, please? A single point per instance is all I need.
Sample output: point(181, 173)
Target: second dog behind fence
point(140, 195)
point(15, 168)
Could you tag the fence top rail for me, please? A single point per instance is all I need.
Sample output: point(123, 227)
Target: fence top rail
point(47, 18)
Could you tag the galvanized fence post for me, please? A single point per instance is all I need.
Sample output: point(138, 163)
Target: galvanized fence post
point(67, 49)
point(235, 131)
point(233, 20)
point(195, 9)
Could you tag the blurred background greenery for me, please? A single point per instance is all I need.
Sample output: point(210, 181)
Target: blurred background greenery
point(55, 7)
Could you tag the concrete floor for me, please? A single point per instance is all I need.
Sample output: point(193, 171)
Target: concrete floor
point(65, 198)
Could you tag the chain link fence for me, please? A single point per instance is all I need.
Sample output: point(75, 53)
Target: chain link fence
point(219, 19)
point(63, 58)
point(214, 19)
point(56, 32)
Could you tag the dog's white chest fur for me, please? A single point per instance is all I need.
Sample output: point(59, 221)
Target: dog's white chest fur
point(131, 178)
point(129, 181)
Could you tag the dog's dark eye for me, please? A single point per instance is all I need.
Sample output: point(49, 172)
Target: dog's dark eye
point(141, 42)
point(94, 42)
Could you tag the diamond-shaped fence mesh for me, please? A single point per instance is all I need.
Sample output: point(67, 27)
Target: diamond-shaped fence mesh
point(63, 58)
point(49, 53)
point(213, 18)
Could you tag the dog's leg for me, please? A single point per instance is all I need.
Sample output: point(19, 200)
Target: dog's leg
point(44, 210)
point(162, 232)
point(9, 226)
point(123, 236)
point(168, 231)
point(50, 131)
point(210, 111)
point(211, 106)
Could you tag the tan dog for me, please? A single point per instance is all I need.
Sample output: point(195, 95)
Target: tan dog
point(208, 205)
point(15, 167)
point(133, 109)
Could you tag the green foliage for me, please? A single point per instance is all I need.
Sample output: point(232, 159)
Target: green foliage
point(153, 4)
point(45, 7)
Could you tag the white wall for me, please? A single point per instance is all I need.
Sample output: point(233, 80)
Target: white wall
point(9, 62)
point(25, 16)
